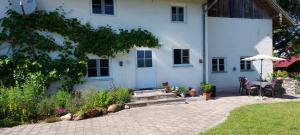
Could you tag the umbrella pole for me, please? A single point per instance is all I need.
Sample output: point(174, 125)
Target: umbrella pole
point(260, 93)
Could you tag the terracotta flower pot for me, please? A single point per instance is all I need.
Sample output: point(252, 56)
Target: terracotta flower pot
point(175, 93)
point(207, 96)
point(193, 92)
point(279, 78)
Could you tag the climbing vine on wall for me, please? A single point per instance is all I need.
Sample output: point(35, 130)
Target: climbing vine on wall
point(30, 46)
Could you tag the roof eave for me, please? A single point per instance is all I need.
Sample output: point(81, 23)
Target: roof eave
point(285, 15)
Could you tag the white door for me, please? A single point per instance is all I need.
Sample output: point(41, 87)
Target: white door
point(145, 71)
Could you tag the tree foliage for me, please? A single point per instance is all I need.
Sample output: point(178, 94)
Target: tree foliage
point(286, 38)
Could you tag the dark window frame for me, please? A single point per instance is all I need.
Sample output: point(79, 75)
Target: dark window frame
point(182, 57)
point(245, 65)
point(177, 16)
point(218, 67)
point(101, 70)
point(104, 7)
point(144, 58)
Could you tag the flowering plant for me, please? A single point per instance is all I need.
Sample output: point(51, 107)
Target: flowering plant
point(61, 111)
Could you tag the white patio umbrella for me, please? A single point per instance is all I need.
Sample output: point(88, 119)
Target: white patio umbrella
point(261, 58)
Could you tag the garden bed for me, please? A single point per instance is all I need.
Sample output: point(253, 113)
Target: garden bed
point(28, 104)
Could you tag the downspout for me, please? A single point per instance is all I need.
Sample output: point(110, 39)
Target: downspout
point(205, 7)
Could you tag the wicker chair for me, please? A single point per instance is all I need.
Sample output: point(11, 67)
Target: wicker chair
point(247, 86)
point(242, 81)
point(275, 89)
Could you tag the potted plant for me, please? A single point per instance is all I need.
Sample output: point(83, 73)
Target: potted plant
point(280, 75)
point(206, 89)
point(166, 87)
point(175, 91)
point(192, 92)
point(182, 90)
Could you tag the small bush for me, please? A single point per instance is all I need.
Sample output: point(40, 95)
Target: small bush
point(46, 108)
point(206, 87)
point(281, 73)
point(102, 99)
point(20, 104)
point(122, 96)
point(61, 99)
point(9, 122)
point(182, 90)
point(74, 105)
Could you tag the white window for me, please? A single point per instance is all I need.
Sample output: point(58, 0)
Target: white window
point(218, 65)
point(103, 7)
point(177, 13)
point(98, 68)
point(245, 65)
point(144, 58)
point(181, 56)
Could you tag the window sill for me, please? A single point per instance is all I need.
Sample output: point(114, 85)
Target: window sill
point(248, 70)
point(178, 22)
point(100, 78)
point(183, 65)
point(98, 14)
point(219, 72)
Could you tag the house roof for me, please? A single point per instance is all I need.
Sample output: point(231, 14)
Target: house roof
point(286, 63)
point(274, 8)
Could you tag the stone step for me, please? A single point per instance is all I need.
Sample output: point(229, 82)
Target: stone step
point(152, 96)
point(156, 102)
point(140, 92)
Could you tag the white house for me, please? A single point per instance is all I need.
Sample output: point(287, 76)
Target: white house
point(201, 40)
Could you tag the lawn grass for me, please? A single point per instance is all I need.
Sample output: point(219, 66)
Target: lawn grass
point(261, 119)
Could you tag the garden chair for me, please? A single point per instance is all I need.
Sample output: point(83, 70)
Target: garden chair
point(275, 89)
point(248, 87)
point(242, 82)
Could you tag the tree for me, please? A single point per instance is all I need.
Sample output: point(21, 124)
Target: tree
point(286, 38)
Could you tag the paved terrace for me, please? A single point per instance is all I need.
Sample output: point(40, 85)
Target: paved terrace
point(179, 119)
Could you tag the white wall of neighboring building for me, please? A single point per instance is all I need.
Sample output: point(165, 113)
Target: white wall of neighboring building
point(234, 38)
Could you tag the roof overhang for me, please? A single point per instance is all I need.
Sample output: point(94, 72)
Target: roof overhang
point(276, 12)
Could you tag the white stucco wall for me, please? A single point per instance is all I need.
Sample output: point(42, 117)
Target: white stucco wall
point(227, 37)
point(152, 15)
point(4, 48)
point(234, 38)
point(3, 7)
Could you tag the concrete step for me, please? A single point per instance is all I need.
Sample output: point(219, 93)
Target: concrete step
point(156, 102)
point(143, 92)
point(152, 96)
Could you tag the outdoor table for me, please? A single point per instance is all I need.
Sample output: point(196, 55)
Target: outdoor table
point(261, 84)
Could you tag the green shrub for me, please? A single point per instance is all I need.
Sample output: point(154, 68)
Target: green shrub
point(182, 90)
point(281, 73)
point(74, 105)
point(102, 99)
point(88, 99)
point(20, 104)
point(206, 87)
point(121, 95)
point(8, 122)
point(46, 107)
point(33, 92)
point(61, 99)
